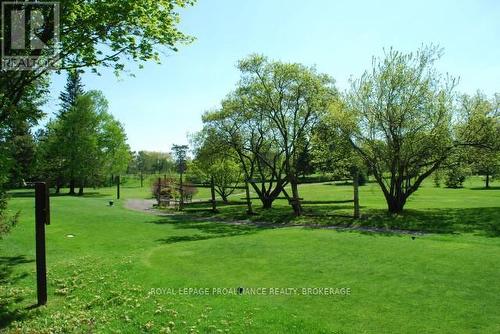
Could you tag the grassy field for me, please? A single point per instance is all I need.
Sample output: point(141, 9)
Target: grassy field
point(125, 271)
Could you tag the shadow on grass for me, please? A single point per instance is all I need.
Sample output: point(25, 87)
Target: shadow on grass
point(10, 299)
point(204, 230)
point(479, 221)
point(484, 188)
point(21, 194)
point(29, 193)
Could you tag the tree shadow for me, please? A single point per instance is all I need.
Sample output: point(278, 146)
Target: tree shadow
point(31, 194)
point(486, 189)
point(10, 299)
point(478, 221)
point(327, 202)
point(21, 194)
point(203, 229)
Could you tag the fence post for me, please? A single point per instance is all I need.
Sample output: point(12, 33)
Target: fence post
point(212, 192)
point(249, 203)
point(158, 191)
point(356, 194)
point(118, 187)
point(42, 218)
point(181, 190)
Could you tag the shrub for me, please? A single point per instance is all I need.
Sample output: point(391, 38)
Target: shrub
point(455, 177)
point(189, 190)
point(362, 178)
point(437, 177)
point(166, 186)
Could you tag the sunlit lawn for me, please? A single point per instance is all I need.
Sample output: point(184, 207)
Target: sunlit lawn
point(101, 280)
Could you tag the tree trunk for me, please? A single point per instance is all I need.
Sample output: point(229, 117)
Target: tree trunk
point(118, 187)
point(72, 187)
point(295, 200)
point(212, 193)
point(487, 180)
point(181, 190)
point(80, 191)
point(267, 203)
point(355, 183)
point(249, 202)
point(58, 186)
point(395, 205)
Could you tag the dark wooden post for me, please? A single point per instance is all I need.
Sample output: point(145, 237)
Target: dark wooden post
point(118, 187)
point(356, 194)
point(212, 192)
point(158, 191)
point(249, 203)
point(181, 190)
point(42, 218)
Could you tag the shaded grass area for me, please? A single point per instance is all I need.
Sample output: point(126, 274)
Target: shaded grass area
point(481, 221)
point(430, 210)
point(202, 230)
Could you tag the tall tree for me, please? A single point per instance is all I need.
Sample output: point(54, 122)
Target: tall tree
point(290, 97)
point(69, 97)
point(481, 125)
point(249, 136)
point(73, 89)
point(217, 165)
point(84, 145)
point(79, 141)
point(402, 121)
point(331, 150)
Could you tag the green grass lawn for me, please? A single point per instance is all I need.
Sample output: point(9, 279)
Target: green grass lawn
point(102, 280)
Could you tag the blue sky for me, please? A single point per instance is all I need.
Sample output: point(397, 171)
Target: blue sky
point(163, 103)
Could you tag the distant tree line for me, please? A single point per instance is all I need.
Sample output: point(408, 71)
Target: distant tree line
point(145, 163)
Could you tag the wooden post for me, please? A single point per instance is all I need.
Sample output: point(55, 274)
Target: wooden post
point(118, 187)
point(356, 194)
point(42, 218)
point(158, 191)
point(249, 203)
point(181, 190)
point(212, 191)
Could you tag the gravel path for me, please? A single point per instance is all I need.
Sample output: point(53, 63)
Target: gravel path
point(144, 205)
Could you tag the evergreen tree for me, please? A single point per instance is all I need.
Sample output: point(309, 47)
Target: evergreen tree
point(72, 90)
point(69, 97)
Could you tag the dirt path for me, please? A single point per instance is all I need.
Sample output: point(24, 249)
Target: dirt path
point(143, 205)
